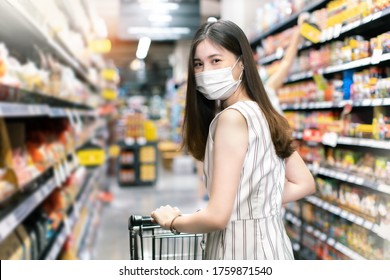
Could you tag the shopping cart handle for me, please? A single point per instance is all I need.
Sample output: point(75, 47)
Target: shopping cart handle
point(138, 220)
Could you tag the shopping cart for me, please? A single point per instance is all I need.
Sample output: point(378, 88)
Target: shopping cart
point(148, 241)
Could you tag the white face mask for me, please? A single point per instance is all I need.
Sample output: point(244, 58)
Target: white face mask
point(217, 84)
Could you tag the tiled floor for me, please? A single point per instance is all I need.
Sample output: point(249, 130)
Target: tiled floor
point(112, 241)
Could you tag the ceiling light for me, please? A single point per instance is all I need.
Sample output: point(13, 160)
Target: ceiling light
point(160, 18)
point(143, 47)
point(159, 30)
point(157, 5)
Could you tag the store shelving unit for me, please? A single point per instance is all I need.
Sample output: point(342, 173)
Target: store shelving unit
point(74, 213)
point(289, 22)
point(310, 238)
point(21, 105)
point(137, 164)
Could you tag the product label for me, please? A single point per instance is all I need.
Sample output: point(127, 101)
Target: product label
point(311, 32)
point(93, 157)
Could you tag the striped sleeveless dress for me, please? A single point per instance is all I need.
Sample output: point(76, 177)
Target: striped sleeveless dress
point(255, 229)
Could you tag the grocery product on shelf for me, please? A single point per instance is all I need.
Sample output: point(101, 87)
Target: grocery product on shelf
point(49, 111)
point(137, 160)
point(336, 101)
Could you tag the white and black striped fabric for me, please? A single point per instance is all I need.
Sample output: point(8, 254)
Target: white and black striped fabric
point(256, 229)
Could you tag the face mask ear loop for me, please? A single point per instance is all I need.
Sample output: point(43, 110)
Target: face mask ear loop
point(242, 73)
point(236, 62)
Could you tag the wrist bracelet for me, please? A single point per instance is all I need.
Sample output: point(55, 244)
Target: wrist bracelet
point(173, 230)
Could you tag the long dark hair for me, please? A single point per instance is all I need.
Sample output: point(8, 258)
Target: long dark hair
point(199, 111)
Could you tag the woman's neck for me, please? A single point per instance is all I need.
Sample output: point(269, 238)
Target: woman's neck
point(239, 95)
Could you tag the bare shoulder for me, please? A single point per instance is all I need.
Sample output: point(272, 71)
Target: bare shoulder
point(232, 117)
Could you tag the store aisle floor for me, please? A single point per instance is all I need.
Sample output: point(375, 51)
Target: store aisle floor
point(112, 241)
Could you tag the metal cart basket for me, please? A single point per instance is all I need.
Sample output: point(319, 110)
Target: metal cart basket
point(149, 241)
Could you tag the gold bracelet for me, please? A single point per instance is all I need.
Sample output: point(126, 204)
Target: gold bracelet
point(173, 230)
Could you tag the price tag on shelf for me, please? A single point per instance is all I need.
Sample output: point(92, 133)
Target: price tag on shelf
point(351, 179)
point(359, 181)
point(326, 206)
point(359, 221)
point(330, 139)
point(384, 188)
point(342, 176)
point(329, 35)
point(57, 178)
point(129, 141)
point(67, 225)
point(62, 171)
point(296, 247)
point(336, 210)
point(367, 19)
point(377, 102)
point(366, 102)
point(7, 225)
point(368, 225)
point(376, 56)
point(78, 121)
point(324, 34)
point(386, 101)
point(377, 15)
point(331, 241)
point(352, 217)
point(70, 118)
point(337, 30)
point(344, 214)
point(333, 173)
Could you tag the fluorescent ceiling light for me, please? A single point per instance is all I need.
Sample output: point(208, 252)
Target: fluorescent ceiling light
point(160, 18)
point(143, 47)
point(159, 30)
point(101, 28)
point(157, 5)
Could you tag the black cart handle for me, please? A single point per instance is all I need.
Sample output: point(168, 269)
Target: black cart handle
point(138, 220)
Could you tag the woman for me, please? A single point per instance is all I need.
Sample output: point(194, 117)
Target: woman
point(250, 166)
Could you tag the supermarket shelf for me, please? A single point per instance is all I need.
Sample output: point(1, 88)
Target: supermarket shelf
point(22, 210)
point(336, 32)
point(55, 176)
point(21, 110)
point(270, 58)
point(293, 219)
point(24, 24)
point(71, 220)
point(333, 243)
point(350, 141)
point(10, 94)
point(322, 236)
point(85, 251)
point(12, 110)
point(370, 143)
point(334, 104)
point(374, 60)
point(343, 214)
point(287, 23)
point(350, 178)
